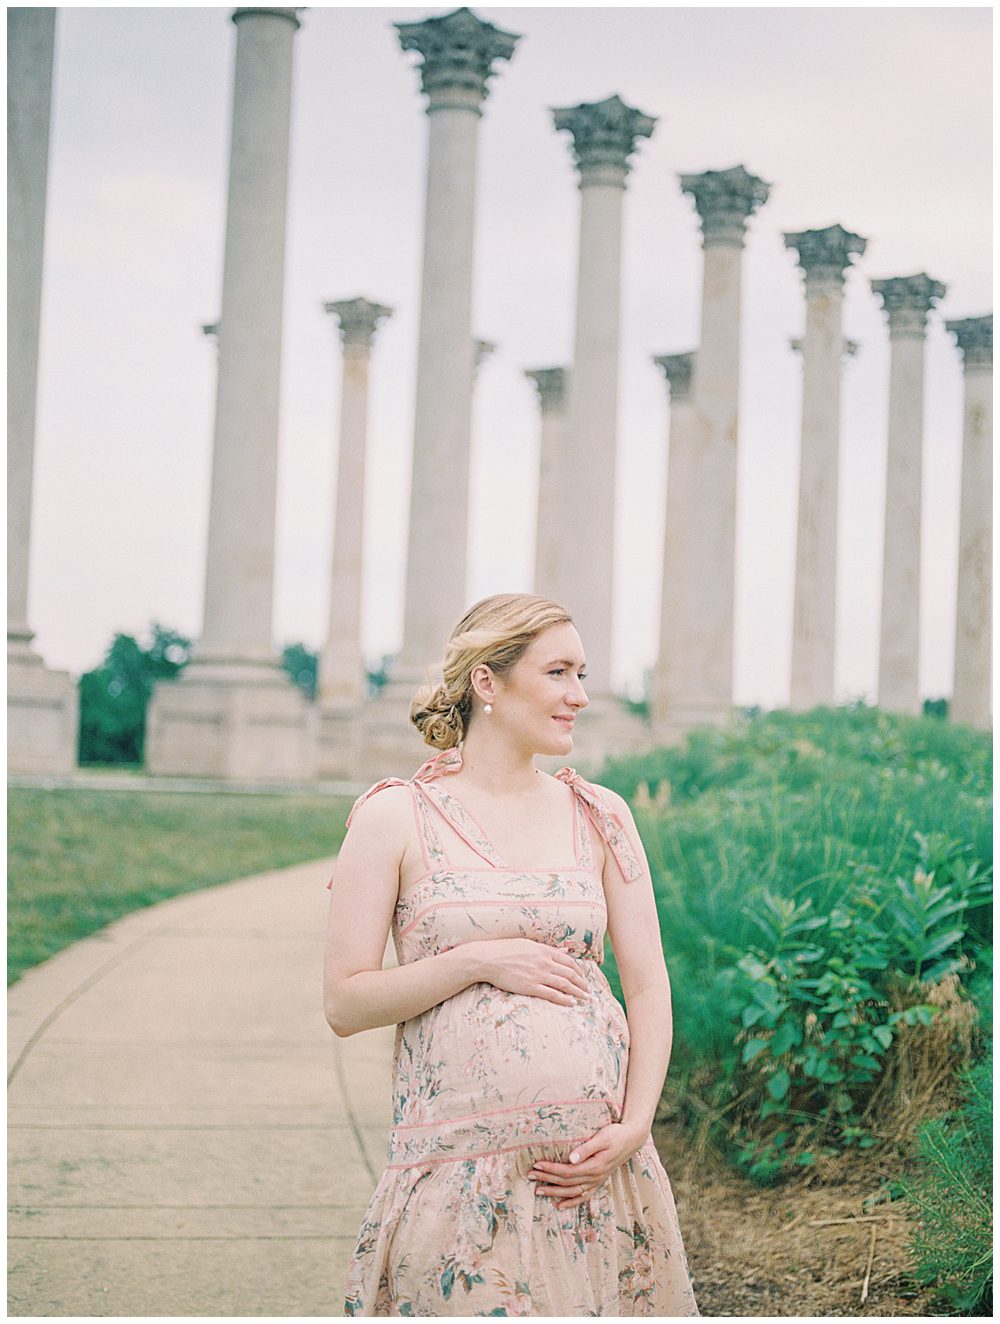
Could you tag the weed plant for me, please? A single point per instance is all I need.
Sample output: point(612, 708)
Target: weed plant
point(952, 1189)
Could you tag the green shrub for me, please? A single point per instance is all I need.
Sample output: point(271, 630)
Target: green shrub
point(823, 882)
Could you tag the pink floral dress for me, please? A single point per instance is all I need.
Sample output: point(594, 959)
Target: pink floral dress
point(488, 1081)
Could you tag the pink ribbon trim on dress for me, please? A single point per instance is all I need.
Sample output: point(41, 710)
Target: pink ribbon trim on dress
point(608, 822)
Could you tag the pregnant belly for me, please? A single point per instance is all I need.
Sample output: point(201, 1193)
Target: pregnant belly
point(488, 1069)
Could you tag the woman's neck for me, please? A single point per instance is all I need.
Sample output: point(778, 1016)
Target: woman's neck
point(490, 765)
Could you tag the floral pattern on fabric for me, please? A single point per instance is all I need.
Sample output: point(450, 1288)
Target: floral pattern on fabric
point(488, 1082)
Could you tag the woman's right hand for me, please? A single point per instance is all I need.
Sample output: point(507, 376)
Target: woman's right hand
point(524, 965)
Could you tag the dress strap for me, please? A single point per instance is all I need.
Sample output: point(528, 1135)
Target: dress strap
point(427, 782)
point(608, 822)
point(461, 820)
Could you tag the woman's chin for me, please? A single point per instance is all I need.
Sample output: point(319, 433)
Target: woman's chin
point(562, 741)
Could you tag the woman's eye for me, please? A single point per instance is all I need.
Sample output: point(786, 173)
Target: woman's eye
point(557, 672)
point(583, 675)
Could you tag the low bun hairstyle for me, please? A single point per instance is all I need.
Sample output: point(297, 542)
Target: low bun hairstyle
point(494, 633)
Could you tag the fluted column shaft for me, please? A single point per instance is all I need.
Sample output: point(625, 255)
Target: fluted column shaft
point(604, 136)
point(824, 255)
point(340, 671)
point(458, 50)
point(971, 700)
point(30, 46)
point(239, 576)
point(676, 685)
point(586, 583)
point(814, 612)
point(725, 200)
point(551, 384)
point(907, 301)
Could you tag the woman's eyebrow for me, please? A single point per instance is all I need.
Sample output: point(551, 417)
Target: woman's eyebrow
point(565, 662)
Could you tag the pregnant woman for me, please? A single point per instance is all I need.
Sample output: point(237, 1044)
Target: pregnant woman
point(522, 1177)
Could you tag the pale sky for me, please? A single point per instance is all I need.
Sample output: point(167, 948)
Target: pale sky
point(875, 118)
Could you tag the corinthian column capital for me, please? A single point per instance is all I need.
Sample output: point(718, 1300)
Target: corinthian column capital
point(907, 300)
point(551, 385)
point(678, 369)
point(850, 347)
point(458, 52)
point(290, 15)
point(974, 338)
point(825, 255)
point(605, 134)
point(359, 319)
point(725, 200)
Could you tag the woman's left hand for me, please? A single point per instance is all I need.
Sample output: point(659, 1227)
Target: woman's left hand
point(597, 1158)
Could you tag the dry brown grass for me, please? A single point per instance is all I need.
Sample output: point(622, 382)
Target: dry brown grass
point(801, 1248)
point(921, 1070)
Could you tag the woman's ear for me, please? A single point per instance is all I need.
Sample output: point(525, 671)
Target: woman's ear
point(483, 682)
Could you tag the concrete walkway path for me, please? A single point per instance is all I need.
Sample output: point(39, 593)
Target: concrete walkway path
point(187, 1136)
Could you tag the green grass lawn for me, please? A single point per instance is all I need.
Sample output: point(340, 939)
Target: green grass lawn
point(78, 859)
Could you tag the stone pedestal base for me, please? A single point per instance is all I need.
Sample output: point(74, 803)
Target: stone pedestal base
point(42, 716)
point(386, 742)
point(671, 727)
point(260, 727)
point(336, 743)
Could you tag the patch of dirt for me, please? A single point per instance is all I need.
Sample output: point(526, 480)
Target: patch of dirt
point(776, 1252)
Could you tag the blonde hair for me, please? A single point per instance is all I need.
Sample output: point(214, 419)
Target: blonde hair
point(494, 633)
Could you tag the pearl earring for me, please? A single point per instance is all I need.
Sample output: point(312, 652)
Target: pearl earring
point(487, 707)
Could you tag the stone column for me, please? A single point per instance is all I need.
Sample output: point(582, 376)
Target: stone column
point(907, 301)
point(341, 689)
point(825, 256)
point(234, 713)
point(41, 704)
point(971, 701)
point(341, 669)
point(676, 685)
point(725, 200)
point(459, 51)
point(552, 460)
point(605, 135)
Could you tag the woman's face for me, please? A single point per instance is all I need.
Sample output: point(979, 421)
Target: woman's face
point(543, 692)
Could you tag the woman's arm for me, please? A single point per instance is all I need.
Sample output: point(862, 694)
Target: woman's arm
point(634, 929)
point(357, 993)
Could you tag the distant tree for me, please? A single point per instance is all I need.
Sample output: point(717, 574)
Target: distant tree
point(113, 697)
point(301, 664)
point(936, 708)
point(377, 676)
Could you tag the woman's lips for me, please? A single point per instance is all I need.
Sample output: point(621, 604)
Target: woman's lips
point(566, 721)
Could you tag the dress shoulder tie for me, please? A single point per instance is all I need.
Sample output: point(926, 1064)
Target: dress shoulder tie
point(607, 820)
point(449, 760)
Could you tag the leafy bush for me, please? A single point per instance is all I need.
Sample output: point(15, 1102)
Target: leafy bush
point(824, 884)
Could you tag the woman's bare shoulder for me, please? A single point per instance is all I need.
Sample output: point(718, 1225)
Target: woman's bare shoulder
point(385, 803)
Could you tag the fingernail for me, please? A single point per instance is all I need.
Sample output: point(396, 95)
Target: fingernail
point(574, 1158)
